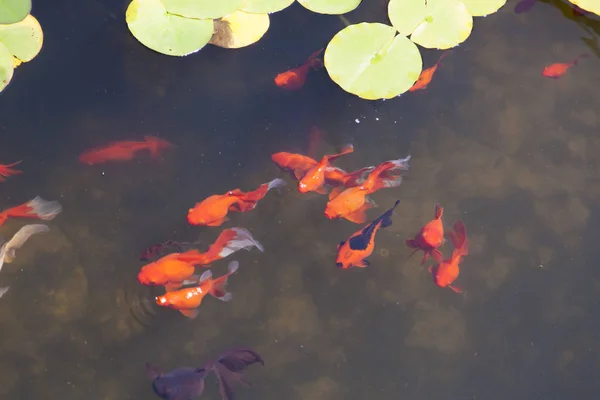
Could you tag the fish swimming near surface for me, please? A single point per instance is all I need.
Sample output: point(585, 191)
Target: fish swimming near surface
point(430, 237)
point(188, 383)
point(213, 210)
point(124, 150)
point(8, 170)
point(314, 179)
point(427, 75)
point(36, 208)
point(187, 301)
point(295, 78)
point(353, 202)
point(354, 251)
point(445, 273)
point(174, 270)
point(557, 70)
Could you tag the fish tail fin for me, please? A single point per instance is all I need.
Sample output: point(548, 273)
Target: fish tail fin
point(357, 177)
point(579, 57)
point(36, 208)
point(155, 144)
point(3, 218)
point(234, 239)
point(219, 287)
point(386, 217)
point(314, 61)
point(374, 182)
point(444, 55)
point(349, 148)
point(439, 211)
point(459, 240)
point(251, 198)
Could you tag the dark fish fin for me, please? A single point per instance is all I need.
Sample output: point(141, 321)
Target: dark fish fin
point(386, 217)
point(239, 358)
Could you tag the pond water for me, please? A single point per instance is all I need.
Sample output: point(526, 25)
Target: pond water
point(511, 153)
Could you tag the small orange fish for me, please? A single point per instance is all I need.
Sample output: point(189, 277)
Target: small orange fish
point(213, 210)
point(188, 300)
point(295, 78)
point(7, 170)
point(354, 251)
point(557, 70)
point(314, 178)
point(177, 269)
point(124, 150)
point(427, 75)
point(36, 208)
point(352, 203)
point(445, 273)
point(430, 237)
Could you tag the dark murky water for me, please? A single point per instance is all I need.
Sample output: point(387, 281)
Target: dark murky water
point(511, 153)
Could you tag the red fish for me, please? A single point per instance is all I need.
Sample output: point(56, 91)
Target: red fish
point(314, 178)
point(430, 237)
point(354, 251)
point(213, 210)
point(7, 170)
point(427, 75)
point(188, 300)
point(176, 269)
point(124, 150)
point(295, 78)
point(352, 203)
point(36, 208)
point(445, 273)
point(557, 70)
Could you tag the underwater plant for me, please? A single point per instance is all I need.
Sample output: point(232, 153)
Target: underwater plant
point(21, 37)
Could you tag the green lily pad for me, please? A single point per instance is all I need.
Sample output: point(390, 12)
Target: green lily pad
point(154, 27)
point(202, 9)
point(265, 6)
point(6, 67)
point(372, 62)
point(333, 7)
point(13, 11)
point(240, 29)
point(24, 39)
point(588, 5)
point(440, 24)
point(481, 8)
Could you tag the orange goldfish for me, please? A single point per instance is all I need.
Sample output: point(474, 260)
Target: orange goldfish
point(295, 78)
point(188, 300)
point(354, 251)
point(213, 210)
point(123, 150)
point(430, 237)
point(557, 70)
point(446, 272)
point(352, 203)
point(426, 75)
point(176, 269)
point(7, 170)
point(36, 208)
point(314, 178)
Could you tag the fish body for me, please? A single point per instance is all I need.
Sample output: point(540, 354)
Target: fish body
point(295, 78)
point(427, 75)
point(445, 273)
point(354, 251)
point(187, 301)
point(353, 202)
point(124, 150)
point(175, 269)
point(557, 70)
point(314, 179)
point(430, 237)
point(8, 170)
point(37, 208)
point(8, 249)
point(213, 210)
point(179, 384)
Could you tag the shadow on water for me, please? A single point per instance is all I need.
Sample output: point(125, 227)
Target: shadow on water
point(511, 153)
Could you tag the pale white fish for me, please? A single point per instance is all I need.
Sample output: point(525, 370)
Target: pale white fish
point(8, 250)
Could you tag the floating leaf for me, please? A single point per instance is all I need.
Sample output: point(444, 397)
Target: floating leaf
point(330, 6)
point(202, 9)
point(13, 11)
point(440, 24)
point(23, 39)
point(165, 33)
point(6, 67)
point(588, 5)
point(240, 29)
point(265, 6)
point(481, 8)
point(372, 62)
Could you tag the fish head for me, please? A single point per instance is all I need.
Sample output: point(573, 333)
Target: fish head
point(196, 217)
point(150, 276)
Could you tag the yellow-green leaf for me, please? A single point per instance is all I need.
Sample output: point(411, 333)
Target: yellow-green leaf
point(481, 8)
point(333, 7)
point(588, 5)
point(202, 9)
point(13, 11)
point(265, 6)
point(6, 67)
point(24, 39)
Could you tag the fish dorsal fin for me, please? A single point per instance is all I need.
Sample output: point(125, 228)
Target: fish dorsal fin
point(205, 276)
